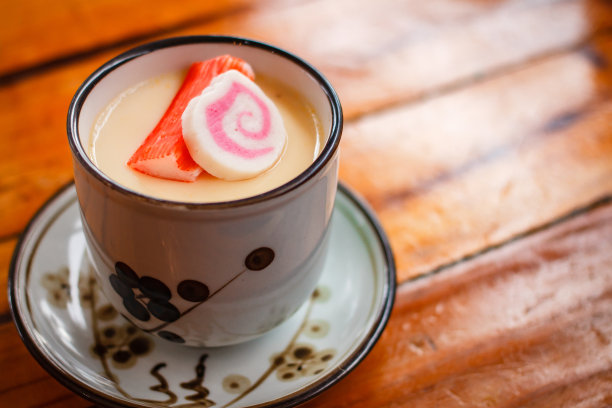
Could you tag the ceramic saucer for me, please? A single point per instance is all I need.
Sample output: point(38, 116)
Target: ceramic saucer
point(74, 333)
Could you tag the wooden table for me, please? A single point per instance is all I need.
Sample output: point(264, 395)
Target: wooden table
point(479, 131)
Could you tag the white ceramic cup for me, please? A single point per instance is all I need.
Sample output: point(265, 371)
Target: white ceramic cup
point(207, 274)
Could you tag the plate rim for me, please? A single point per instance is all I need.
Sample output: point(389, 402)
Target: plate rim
point(351, 361)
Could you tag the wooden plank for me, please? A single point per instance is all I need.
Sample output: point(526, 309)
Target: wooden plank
point(46, 393)
point(35, 161)
point(25, 383)
point(423, 47)
point(494, 122)
point(379, 54)
point(477, 166)
point(6, 252)
point(34, 33)
point(501, 330)
point(419, 144)
point(68, 400)
point(529, 320)
point(25, 371)
point(34, 155)
point(593, 391)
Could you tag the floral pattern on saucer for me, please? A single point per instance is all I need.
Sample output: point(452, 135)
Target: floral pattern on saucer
point(118, 344)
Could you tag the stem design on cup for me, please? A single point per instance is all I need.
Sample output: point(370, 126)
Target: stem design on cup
point(146, 296)
point(163, 325)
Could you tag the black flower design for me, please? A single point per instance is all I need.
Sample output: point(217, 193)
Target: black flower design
point(146, 296)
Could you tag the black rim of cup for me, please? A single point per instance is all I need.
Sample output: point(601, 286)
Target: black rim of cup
point(322, 160)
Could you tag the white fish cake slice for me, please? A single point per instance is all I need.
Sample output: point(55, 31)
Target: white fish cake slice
point(232, 129)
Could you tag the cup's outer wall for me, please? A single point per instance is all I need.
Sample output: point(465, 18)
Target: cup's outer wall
point(209, 244)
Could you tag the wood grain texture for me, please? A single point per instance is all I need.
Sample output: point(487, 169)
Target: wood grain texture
point(6, 252)
point(472, 127)
point(521, 324)
point(379, 54)
point(31, 181)
point(34, 155)
point(35, 32)
point(593, 391)
point(24, 382)
point(538, 150)
point(502, 330)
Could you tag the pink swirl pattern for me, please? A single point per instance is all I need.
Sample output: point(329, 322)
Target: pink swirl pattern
point(216, 111)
